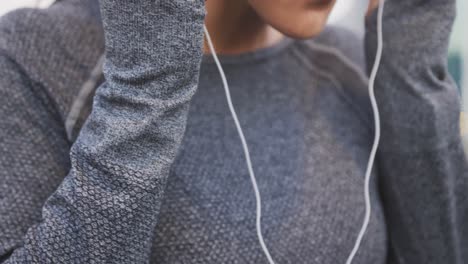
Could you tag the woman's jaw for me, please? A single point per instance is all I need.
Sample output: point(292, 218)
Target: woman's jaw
point(245, 25)
point(300, 19)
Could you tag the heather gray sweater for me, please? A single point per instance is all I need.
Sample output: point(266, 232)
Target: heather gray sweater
point(156, 174)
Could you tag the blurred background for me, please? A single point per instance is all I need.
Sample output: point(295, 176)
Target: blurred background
point(350, 14)
point(6, 6)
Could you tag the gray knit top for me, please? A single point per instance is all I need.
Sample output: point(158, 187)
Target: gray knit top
point(148, 168)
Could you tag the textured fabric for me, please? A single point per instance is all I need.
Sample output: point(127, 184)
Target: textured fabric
point(423, 167)
point(145, 98)
point(152, 180)
point(46, 56)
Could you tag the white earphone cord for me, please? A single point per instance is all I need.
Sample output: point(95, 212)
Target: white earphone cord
point(371, 158)
point(245, 147)
point(375, 69)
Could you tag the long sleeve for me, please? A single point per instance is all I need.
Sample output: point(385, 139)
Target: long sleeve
point(106, 208)
point(423, 169)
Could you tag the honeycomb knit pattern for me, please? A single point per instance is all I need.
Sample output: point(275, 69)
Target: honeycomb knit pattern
point(156, 174)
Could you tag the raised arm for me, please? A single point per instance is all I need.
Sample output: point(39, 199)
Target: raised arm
point(107, 207)
point(423, 169)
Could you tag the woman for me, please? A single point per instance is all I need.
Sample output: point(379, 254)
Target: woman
point(157, 174)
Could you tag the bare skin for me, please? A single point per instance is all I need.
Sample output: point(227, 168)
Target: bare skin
point(373, 4)
point(246, 25)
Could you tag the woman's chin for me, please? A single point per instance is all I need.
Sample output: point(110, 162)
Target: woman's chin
point(301, 30)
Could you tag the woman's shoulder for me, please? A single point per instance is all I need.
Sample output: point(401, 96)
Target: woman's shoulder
point(336, 42)
point(57, 47)
point(65, 24)
point(337, 57)
point(345, 41)
point(339, 53)
point(47, 42)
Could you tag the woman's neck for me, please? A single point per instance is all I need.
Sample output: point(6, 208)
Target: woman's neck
point(235, 28)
